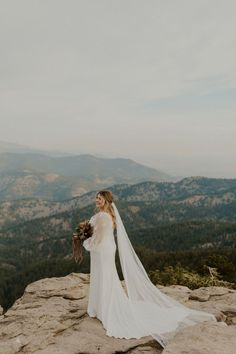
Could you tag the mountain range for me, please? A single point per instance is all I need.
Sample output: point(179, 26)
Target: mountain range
point(148, 203)
point(201, 196)
point(193, 215)
point(27, 175)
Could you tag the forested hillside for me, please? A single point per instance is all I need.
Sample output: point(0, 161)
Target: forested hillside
point(146, 203)
point(191, 223)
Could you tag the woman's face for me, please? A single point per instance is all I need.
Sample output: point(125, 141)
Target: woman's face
point(100, 201)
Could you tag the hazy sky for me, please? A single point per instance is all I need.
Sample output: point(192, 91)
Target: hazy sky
point(151, 80)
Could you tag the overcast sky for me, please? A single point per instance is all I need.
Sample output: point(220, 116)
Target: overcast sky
point(150, 80)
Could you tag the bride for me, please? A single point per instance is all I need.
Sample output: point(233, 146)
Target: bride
point(140, 310)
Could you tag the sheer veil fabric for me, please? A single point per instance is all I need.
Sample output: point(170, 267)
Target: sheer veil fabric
point(140, 288)
point(144, 310)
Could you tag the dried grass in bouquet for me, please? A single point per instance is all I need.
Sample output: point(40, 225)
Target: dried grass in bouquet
point(83, 231)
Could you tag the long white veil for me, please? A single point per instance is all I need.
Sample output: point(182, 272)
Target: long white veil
point(138, 284)
point(140, 288)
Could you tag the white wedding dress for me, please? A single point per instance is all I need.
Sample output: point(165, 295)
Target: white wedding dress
point(144, 310)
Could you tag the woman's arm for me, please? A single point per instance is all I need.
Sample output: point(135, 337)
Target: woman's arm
point(101, 226)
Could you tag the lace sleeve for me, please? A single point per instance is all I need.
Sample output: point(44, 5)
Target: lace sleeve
point(101, 225)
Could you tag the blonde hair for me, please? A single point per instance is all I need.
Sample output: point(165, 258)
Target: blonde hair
point(107, 195)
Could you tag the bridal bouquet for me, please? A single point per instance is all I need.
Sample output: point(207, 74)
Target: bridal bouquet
point(83, 231)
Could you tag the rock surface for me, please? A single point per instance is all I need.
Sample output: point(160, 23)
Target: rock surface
point(51, 318)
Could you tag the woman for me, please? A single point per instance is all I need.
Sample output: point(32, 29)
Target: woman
point(144, 310)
